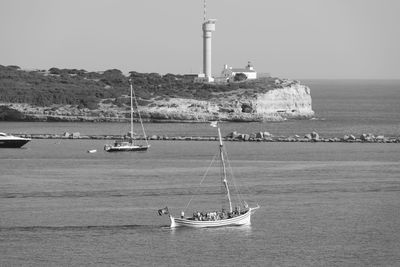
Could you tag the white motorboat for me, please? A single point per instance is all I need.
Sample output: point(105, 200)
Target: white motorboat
point(11, 141)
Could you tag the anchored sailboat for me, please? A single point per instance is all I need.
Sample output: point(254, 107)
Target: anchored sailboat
point(240, 215)
point(130, 145)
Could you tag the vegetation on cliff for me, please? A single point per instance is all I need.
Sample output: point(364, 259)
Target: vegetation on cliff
point(85, 89)
point(79, 95)
point(8, 114)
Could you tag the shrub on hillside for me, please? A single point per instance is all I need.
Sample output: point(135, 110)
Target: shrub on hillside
point(239, 77)
point(9, 114)
point(86, 89)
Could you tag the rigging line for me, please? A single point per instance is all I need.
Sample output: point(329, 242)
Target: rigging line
point(202, 180)
point(246, 187)
point(239, 195)
point(223, 198)
point(140, 117)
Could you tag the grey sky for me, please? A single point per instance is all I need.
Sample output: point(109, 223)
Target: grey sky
point(287, 38)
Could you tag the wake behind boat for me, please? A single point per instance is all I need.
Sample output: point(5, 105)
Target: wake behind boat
point(239, 215)
point(130, 145)
point(11, 141)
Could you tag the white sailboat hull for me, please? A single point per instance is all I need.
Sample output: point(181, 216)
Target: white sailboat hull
point(126, 147)
point(243, 219)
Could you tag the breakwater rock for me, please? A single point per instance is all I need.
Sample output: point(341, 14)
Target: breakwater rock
point(234, 136)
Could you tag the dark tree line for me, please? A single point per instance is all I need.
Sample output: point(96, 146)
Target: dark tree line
point(85, 89)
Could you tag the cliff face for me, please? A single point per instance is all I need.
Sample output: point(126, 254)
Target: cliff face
point(290, 100)
point(286, 100)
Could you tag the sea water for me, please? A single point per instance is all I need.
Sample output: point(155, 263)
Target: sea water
point(322, 204)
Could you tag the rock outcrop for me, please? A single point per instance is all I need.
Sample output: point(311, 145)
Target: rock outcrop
point(285, 100)
point(290, 100)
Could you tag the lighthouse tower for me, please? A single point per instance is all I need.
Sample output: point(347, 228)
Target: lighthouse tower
point(208, 28)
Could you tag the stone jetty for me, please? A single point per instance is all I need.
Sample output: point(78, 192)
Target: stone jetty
point(312, 137)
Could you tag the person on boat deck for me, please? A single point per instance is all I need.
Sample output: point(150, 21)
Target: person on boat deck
point(236, 211)
point(223, 213)
point(213, 216)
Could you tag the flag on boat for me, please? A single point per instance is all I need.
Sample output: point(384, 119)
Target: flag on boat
point(214, 124)
point(163, 211)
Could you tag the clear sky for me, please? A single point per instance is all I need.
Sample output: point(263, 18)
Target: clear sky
point(297, 39)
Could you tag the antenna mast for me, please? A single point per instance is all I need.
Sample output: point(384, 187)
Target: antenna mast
point(205, 11)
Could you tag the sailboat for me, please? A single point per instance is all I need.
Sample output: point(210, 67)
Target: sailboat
point(240, 215)
point(130, 145)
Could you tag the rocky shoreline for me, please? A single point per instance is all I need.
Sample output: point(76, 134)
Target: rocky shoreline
point(234, 136)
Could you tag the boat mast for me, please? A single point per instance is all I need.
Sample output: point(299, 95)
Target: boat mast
point(221, 151)
point(140, 117)
point(130, 82)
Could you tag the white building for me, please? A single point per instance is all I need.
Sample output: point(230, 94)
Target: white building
point(229, 73)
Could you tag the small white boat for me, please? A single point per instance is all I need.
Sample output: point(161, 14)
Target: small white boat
point(11, 141)
point(92, 151)
point(125, 146)
point(130, 145)
point(240, 215)
point(235, 220)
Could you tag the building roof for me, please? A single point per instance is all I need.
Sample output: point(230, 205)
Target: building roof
point(241, 70)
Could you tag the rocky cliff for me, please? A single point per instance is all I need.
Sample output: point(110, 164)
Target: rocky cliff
point(284, 100)
point(289, 100)
point(293, 100)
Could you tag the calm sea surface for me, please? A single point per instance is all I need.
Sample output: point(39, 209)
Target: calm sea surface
point(322, 204)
